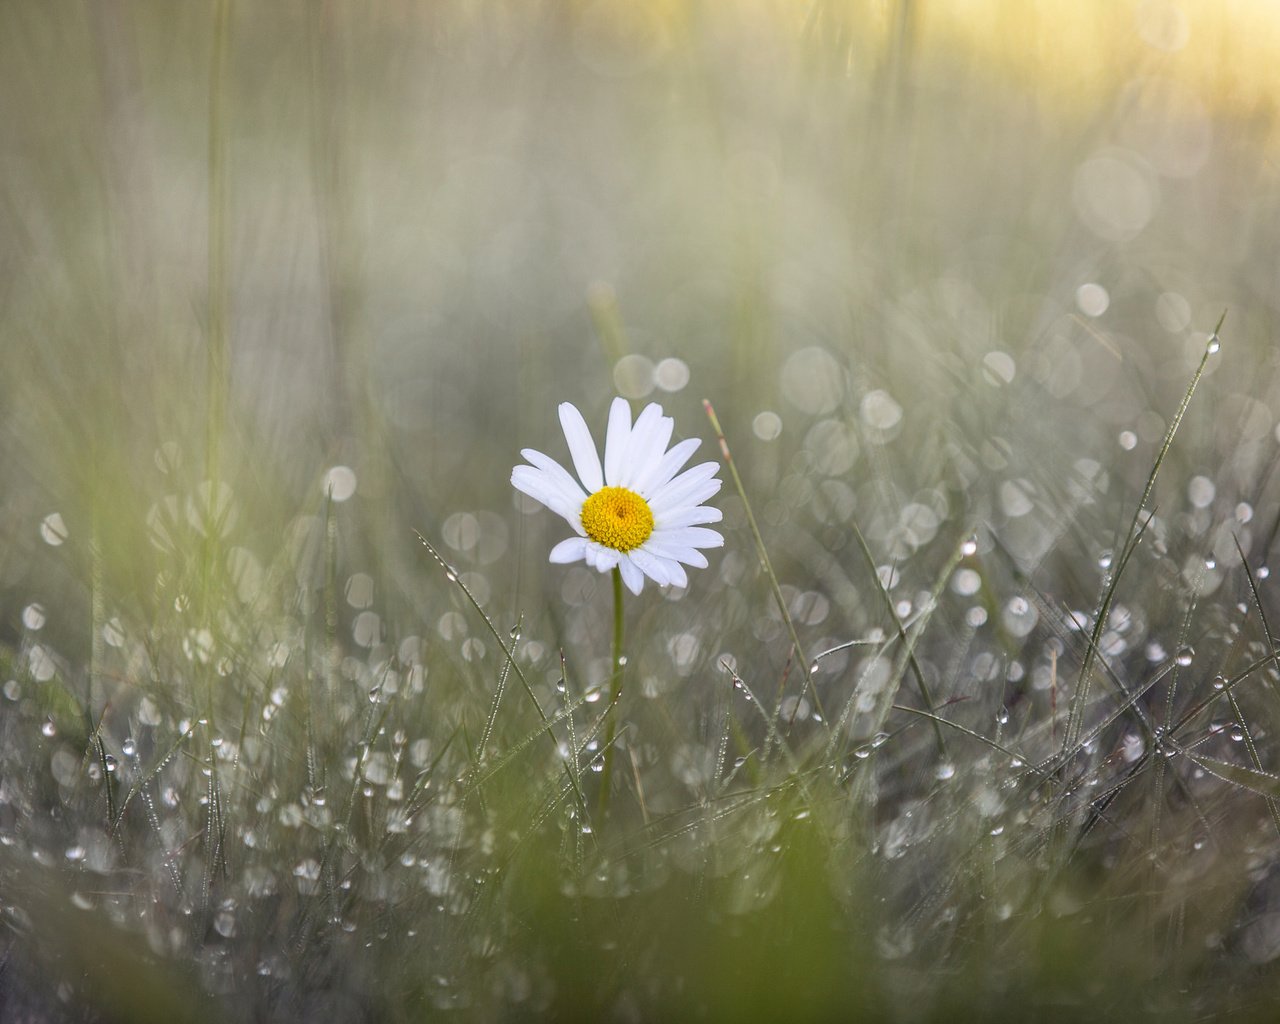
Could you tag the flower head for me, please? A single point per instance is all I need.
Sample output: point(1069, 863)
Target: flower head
point(634, 512)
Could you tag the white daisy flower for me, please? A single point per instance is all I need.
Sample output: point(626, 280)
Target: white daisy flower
point(635, 514)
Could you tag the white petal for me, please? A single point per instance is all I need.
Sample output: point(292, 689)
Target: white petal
point(571, 550)
point(568, 497)
point(690, 536)
point(599, 557)
point(707, 490)
point(676, 553)
point(556, 472)
point(539, 486)
point(631, 575)
point(651, 566)
point(615, 440)
point(679, 493)
point(676, 571)
point(586, 460)
point(643, 434)
point(668, 466)
point(694, 516)
point(647, 459)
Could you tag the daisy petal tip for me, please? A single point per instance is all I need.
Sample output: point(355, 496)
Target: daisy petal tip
point(572, 550)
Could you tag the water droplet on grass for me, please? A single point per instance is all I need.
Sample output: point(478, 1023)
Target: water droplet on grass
point(53, 530)
point(339, 483)
point(224, 923)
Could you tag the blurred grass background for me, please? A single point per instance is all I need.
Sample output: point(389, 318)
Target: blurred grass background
point(281, 282)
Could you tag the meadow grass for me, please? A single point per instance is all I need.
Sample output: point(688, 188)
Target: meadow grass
point(974, 716)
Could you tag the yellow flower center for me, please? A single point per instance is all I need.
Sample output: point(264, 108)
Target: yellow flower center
point(617, 518)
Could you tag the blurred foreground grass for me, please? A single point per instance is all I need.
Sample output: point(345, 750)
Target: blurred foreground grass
point(282, 282)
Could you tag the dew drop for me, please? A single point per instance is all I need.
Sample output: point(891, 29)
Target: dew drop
point(1184, 656)
point(48, 729)
point(944, 771)
point(53, 530)
point(339, 483)
point(969, 547)
point(224, 923)
point(1215, 344)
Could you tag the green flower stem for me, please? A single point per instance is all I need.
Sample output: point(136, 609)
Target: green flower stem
point(615, 693)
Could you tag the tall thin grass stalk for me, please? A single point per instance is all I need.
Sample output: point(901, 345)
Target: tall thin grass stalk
point(805, 667)
point(1079, 700)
